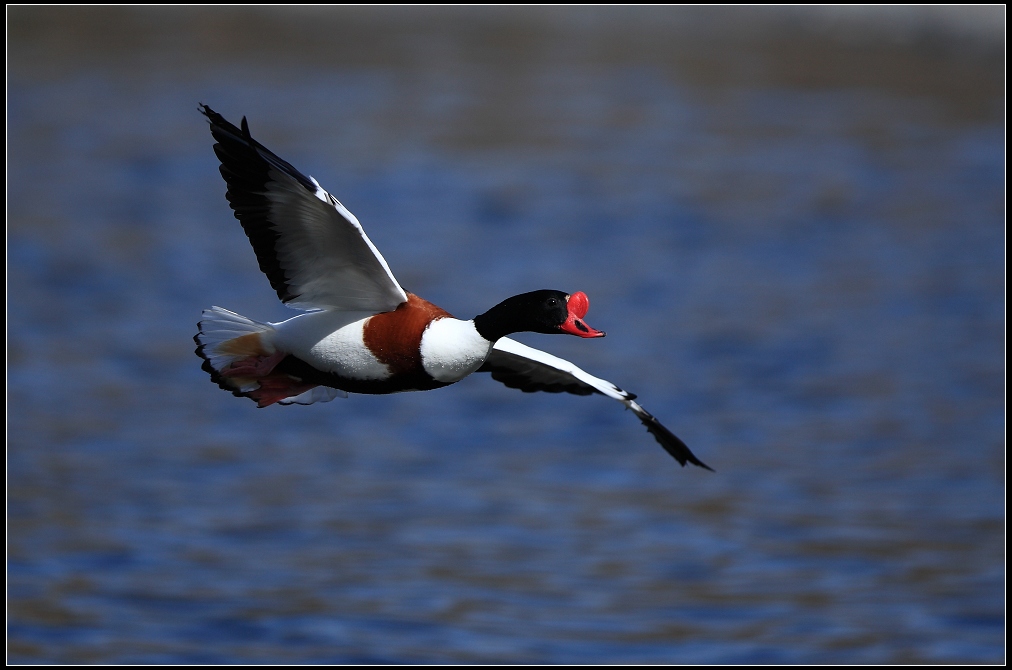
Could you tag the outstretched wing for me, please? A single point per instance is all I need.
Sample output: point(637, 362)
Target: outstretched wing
point(521, 367)
point(312, 249)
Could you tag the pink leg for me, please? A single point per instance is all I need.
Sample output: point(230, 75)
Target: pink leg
point(254, 366)
point(277, 387)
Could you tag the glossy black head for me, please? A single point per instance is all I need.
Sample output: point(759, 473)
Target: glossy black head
point(546, 311)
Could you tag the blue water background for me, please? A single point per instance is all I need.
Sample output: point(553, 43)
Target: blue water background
point(790, 225)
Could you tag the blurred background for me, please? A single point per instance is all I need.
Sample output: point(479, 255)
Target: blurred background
point(789, 221)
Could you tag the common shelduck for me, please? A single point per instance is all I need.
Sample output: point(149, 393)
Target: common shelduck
point(361, 332)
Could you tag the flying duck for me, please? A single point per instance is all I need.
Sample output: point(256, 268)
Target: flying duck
point(360, 331)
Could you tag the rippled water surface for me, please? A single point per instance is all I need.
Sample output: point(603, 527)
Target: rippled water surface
point(790, 224)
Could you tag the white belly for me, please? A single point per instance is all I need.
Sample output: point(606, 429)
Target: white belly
point(331, 342)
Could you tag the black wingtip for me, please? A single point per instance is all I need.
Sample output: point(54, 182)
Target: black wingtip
point(704, 466)
point(207, 111)
point(671, 442)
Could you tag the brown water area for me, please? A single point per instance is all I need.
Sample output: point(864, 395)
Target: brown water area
point(790, 222)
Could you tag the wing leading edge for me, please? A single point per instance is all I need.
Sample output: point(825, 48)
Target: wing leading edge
point(521, 367)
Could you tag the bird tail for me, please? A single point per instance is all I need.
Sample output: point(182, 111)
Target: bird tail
point(224, 338)
point(239, 355)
